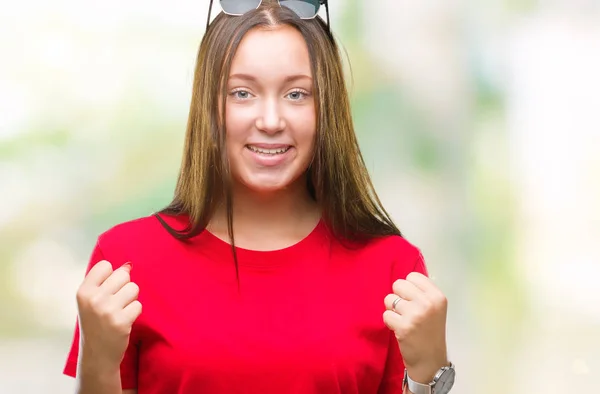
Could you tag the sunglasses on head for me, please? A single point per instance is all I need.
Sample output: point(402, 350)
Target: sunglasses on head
point(305, 9)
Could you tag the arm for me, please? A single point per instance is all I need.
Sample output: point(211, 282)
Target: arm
point(107, 303)
point(416, 313)
point(97, 380)
point(94, 377)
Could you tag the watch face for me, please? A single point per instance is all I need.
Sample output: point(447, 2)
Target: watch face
point(445, 382)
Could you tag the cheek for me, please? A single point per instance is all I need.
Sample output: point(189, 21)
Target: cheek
point(306, 125)
point(238, 122)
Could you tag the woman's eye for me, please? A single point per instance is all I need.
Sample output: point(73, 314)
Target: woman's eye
point(241, 94)
point(297, 95)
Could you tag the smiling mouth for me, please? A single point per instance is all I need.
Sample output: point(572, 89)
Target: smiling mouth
point(265, 151)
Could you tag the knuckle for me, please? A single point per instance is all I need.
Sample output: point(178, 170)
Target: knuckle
point(401, 333)
point(418, 316)
point(409, 326)
point(398, 285)
point(388, 299)
point(428, 304)
point(422, 307)
point(103, 265)
point(96, 301)
point(442, 300)
point(438, 301)
point(388, 320)
point(126, 275)
point(121, 274)
point(412, 276)
point(121, 323)
point(81, 295)
point(138, 307)
point(114, 320)
point(105, 313)
point(134, 287)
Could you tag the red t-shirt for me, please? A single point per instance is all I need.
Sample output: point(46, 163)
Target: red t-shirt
point(306, 319)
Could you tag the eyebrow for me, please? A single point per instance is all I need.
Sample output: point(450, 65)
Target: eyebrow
point(251, 78)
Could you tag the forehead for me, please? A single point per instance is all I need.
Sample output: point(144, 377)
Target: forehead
point(270, 52)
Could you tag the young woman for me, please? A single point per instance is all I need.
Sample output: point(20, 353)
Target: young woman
point(275, 269)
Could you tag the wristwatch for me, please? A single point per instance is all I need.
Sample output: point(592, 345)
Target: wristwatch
point(441, 384)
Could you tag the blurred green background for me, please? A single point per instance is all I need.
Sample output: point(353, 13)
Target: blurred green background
point(479, 122)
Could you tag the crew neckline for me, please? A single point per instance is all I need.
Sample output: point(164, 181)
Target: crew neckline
point(221, 249)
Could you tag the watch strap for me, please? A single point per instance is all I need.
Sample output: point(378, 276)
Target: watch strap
point(420, 388)
point(415, 387)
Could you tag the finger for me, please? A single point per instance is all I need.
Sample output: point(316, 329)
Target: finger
point(391, 319)
point(398, 324)
point(406, 290)
point(423, 283)
point(389, 301)
point(126, 295)
point(117, 279)
point(98, 274)
point(132, 311)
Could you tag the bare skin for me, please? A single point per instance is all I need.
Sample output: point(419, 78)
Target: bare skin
point(418, 320)
point(108, 306)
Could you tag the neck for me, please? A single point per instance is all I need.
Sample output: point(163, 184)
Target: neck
point(268, 220)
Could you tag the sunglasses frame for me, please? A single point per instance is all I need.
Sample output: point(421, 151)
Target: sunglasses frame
point(321, 2)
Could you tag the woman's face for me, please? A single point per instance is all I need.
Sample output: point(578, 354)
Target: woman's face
point(270, 110)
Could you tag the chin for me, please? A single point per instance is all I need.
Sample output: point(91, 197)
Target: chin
point(266, 187)
point(269, 184)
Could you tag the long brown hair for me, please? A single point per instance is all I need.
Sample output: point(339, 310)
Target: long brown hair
point(337, 177)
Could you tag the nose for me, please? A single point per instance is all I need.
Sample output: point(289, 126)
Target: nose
point(270, 120)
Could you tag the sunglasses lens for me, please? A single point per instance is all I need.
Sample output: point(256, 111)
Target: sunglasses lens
point(239, 7)
point(305, 9)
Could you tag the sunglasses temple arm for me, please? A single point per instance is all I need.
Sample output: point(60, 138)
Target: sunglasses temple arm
point(327, 12)
point(208, 17)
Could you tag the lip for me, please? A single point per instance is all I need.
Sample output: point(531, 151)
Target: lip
point(265, 160)
point(270, 146)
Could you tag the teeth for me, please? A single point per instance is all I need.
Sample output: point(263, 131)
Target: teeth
point(268, 151)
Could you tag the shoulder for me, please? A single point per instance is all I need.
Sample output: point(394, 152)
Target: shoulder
point(397, 246)
point(391, 248)
point(144, 231)
point(129, 230)
point(392, 254)
point(406, 258)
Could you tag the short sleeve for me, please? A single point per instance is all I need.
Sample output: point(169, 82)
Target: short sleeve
point(129, 364)
point(394, 365)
